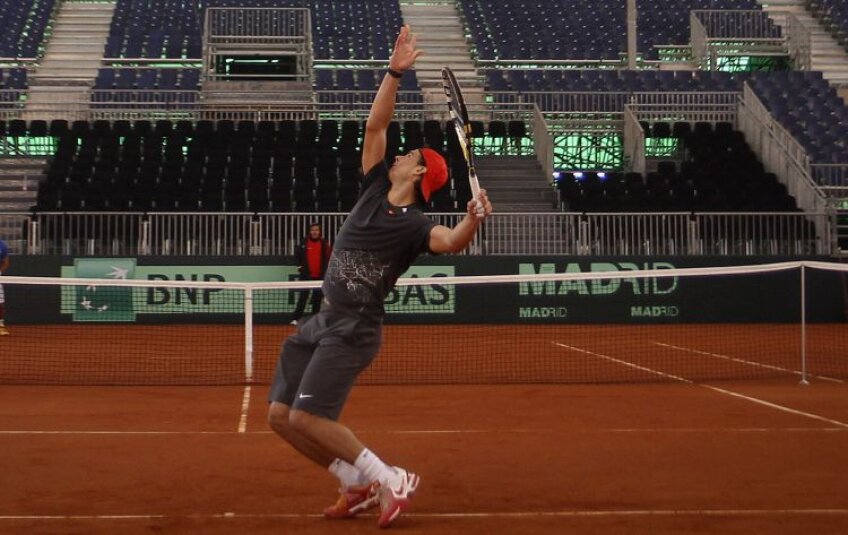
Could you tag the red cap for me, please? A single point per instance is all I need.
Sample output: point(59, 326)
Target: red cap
point(436, 175)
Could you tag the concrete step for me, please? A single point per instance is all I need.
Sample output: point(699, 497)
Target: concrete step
point(14, 206)
point(76, 49)
point(74, 95)
point(80, 29)
point(22, 196)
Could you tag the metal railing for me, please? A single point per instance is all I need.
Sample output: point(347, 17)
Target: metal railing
point(781, 153)
point(275, 234)
point(255, 31)
point(12, 102)
point(634, 143)
point(717, 33)
point(257, 25)
point(832, 179)
point(571, 107)
point(692, 113)
point(746, 24)
point(543, 143)
point(799, 42)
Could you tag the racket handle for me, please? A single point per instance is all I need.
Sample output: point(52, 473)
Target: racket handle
point(475, 193)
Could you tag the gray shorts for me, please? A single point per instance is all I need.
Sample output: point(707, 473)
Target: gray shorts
point(319, 363)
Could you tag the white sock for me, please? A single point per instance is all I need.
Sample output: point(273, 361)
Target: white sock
point(348, 475)
point(373, 468)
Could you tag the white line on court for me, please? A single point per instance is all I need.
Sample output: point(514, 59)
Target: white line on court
point(747, 362)
point(245, 407)
point(724, 391)
point(589, 513)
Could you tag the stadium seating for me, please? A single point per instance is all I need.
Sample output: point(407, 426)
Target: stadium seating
point(721, 173)
point(24, 23)
point(165, 79)
point(612, 80)
point(833, 14)
point(809, 109)
point(13, 79)
point(359, 80)
point(354, 29)
point(579, 29)
point(288, 166)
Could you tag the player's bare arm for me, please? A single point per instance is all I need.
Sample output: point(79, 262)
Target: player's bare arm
point(383, 108)
point(4, 265)
point(454, 240)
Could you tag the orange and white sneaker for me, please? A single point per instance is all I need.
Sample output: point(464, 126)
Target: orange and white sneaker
point(4, 331)
point(354, 500)
point(395, 497)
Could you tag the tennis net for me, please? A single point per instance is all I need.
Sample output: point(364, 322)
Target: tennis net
point(785, 320)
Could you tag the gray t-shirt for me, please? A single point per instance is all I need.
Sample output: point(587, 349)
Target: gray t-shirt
point(375, 246)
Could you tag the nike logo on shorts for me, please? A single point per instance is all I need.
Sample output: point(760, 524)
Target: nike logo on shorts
point(305, 396)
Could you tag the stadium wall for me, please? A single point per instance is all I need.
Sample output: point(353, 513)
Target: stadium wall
point(754, 298)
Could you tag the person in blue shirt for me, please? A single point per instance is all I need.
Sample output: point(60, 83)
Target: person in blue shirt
point(4, 265)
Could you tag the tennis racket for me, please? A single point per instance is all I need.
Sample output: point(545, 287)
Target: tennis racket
point(459, 118)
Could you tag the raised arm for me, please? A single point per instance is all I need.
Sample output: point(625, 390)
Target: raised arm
point(383, 108)
point(454, 240)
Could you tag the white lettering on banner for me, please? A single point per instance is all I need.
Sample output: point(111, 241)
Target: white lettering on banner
point(633, 286)
point(654, 312)
point(542, 312)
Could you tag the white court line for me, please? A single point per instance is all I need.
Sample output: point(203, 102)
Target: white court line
point(752, 399)
point(748, 362)
point(589, 513)
point(245, 407)
point(618, 430)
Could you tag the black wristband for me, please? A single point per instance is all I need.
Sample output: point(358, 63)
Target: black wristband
point(394, 74)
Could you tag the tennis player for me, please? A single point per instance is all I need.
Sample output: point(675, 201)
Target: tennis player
point(4, 265)
point(318, 365)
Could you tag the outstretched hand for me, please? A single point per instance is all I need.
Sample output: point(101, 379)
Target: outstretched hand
point(480, 207)
point(405, 53)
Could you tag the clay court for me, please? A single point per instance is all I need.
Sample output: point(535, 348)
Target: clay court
point(658, 452)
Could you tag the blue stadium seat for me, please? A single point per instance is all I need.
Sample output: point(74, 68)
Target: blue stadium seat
point(583, 30)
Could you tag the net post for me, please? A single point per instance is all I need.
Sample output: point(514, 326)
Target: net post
point(248, 334)
point(804, 380)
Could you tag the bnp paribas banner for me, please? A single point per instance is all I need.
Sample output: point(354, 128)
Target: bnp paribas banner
point(116, 303)
point(768, 297)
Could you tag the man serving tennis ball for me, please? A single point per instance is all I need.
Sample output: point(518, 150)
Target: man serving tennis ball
point(381, 237)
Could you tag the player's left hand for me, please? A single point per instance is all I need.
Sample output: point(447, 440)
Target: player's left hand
point(405, 53)
point(480, 207)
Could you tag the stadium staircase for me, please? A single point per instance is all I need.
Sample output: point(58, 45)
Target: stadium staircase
point(516, 183)
point(74, 54)
point(441, 35)
point(827, 55)
point(18, 189)
point(19, 183)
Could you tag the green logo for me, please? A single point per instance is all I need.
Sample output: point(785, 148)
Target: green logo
point(103, 303)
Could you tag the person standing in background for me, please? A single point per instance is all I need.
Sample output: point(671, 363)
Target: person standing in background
point(313, 255)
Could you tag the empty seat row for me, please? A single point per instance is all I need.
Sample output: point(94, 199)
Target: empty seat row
point(353, 29)
point(611, 80)
point(581, 29)
point(810, 109)
point(24, 24)
point(166, 79)
point(719, 172)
